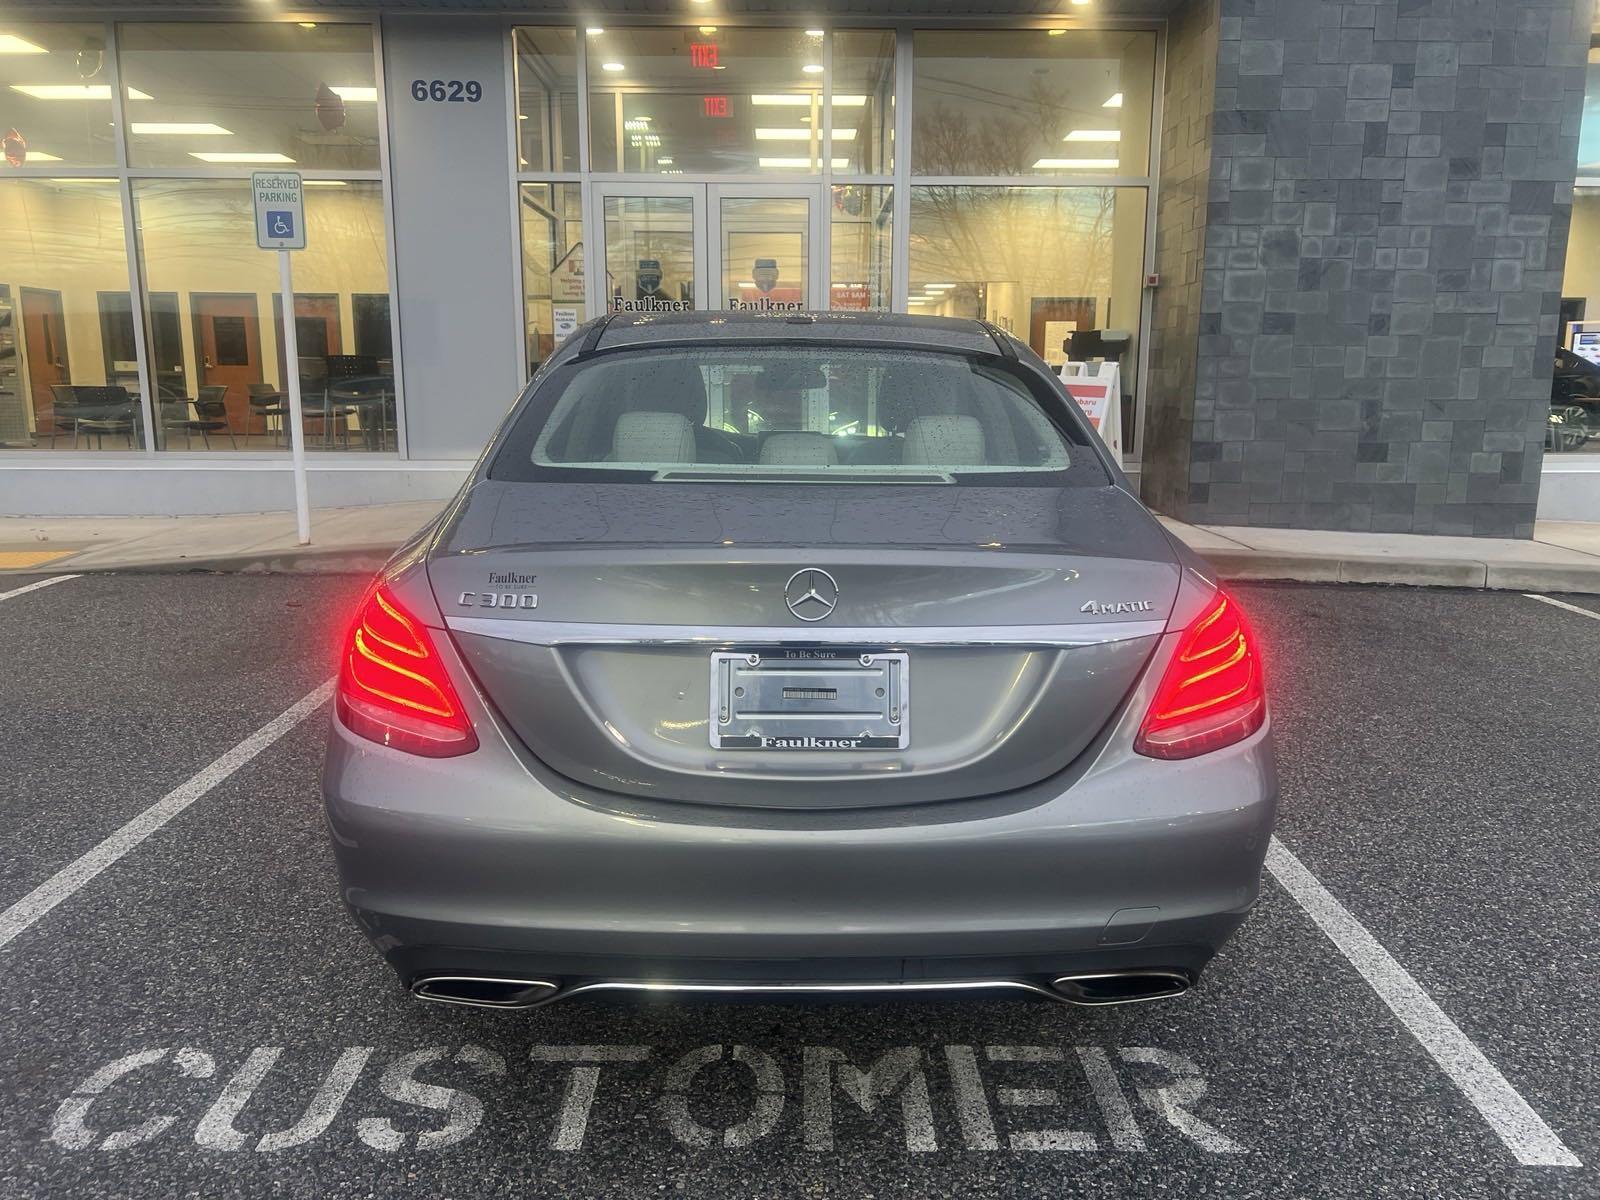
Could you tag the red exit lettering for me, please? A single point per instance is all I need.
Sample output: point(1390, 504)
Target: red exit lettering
point(715, 106)
point(703, 54)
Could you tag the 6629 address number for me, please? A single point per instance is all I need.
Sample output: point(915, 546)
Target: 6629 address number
point(449, 91)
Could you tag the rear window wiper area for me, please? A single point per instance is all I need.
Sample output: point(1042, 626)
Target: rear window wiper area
point(747, 475)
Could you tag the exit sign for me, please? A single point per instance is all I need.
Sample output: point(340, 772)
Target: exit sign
point(703, 54)
point(715, 106)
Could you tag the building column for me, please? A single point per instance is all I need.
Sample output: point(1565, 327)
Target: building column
point(1389, 191)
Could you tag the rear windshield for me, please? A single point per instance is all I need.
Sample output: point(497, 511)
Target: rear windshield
point(786, 414)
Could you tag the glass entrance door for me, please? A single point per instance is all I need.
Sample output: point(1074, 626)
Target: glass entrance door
point(653, 243)
point(675, 247)
point(766, 245)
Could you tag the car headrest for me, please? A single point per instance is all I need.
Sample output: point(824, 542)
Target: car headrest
point(799, 450)
point(668, 385)
point(944, 441)
point(652, 437)
point(908, 391)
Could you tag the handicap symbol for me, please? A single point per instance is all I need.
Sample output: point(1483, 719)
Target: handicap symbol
point(280, 224)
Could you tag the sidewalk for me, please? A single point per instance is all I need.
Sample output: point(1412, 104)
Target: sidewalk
point(1563, 557)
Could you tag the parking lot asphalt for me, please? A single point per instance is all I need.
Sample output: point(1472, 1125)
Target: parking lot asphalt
point(201, 1018)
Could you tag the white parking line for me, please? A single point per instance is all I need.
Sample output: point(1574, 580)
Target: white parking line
point(35, 586)
point(69, 879)
point(1522, 1130)
point(1571, 608)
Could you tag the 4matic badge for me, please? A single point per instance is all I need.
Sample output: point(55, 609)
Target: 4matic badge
point(1102, 608)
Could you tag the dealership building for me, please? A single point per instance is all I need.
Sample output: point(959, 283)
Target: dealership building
point(1340, 253)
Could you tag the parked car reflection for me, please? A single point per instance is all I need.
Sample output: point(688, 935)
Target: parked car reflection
point(1574, 422)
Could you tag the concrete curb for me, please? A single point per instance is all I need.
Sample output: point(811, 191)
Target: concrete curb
point(308, 560)
point(1265, 566)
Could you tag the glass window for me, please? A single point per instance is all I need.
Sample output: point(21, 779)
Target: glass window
point(814, 412)
point(226, 388)
point(1043, 263)
point(863, 246)
point(863, 101)
point(1574, 420)
point(68, 373)
point(547, 99)
point(55, 95)
point(553, 279)
point(1032, 101)
point(226, 93)
point(706, 99)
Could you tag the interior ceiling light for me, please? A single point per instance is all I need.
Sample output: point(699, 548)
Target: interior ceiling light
point(812, 68)
point(1055, 33)
point(355, 92)
point(323, 183)
point(1075, 164)
point(1080, 3)
point(805, 164)
point(73, 91)
point(594, 31)
point(306, 24)
point(665, 160)
point(10, 43)
point(800, 135)
point(180, 128)
point(708, 30)
point(813, 33)
point(803, 100)
point(240, 156)
point(1093, 135)
point(938, 287)
point(1114, 102)
point(613, 67)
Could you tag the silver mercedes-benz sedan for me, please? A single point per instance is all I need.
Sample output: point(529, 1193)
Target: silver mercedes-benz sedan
point(776, 653)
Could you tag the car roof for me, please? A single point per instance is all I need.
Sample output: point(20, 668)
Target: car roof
point(876, 328)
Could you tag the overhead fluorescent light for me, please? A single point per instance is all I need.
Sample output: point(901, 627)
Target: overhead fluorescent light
point(73, 91)
point(1093, 135)
point(938, 287)
point(1114, 102)
point(594, 31)
point(812, 68)
point(324, 183)
point(1076, 164)
point(613, 66)
point(801, 135)
point(180, 128)
point(805, 164)
point(665, 160)
point(10, 43)
point(357, 93)
point(803, 100)
point(708, 30)
point(240, 156)
point(1055, 33)
point(814, 33)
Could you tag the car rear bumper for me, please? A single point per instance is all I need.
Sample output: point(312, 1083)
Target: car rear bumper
point(489, 864)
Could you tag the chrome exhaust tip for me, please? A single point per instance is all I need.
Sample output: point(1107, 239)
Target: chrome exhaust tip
point(1121, 987)
point(481, 991)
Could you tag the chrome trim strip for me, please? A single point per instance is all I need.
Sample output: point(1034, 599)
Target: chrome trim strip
point(419, 991)
point(585, 633)
point(775, 989)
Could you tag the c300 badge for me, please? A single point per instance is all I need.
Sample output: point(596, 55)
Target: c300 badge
point(502, 599)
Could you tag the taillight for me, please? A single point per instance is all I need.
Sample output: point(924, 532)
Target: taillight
point(1212, 694)
point(393, 687)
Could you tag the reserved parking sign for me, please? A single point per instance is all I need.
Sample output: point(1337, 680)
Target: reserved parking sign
point(280, 210)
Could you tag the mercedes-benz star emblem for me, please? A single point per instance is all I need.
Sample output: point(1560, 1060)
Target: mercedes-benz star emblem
point(811, 594)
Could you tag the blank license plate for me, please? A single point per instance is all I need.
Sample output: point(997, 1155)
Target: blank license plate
point(809, 700)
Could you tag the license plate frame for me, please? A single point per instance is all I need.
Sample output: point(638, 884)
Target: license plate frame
point(835, 699)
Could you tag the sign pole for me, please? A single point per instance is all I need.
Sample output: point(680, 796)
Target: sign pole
point(279, 201)
point(297, 427)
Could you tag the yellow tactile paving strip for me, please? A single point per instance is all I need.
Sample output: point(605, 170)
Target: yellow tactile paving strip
point(14, 560)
